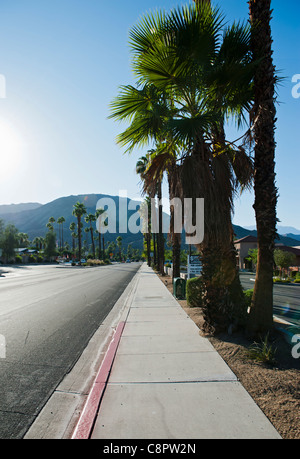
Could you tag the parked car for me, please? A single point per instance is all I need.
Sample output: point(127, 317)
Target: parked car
point(128, 261)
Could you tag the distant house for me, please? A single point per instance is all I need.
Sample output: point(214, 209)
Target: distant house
point(246, 243)
point(243, 246)
point(25, 253)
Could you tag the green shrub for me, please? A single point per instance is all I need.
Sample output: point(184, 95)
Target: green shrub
point(194, 292)
point(248, 297)
point(32, 259)
point(18, 259)
point(278, 280)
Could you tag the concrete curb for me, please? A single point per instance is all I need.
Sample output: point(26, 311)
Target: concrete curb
point(90, 411)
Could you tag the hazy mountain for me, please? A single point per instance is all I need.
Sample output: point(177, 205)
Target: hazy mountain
point(13, 208)
point(33, 221)
point(283, 230)
point(288, 239)
point(32, 218)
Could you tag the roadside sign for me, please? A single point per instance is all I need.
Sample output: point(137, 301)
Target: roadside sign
point(194, 266)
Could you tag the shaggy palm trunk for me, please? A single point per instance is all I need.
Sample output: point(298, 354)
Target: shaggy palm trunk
point(261, 311)
point(175, 238)
point(160, 239)
point(79, 238)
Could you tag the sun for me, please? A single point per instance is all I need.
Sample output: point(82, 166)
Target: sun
point(10, 150)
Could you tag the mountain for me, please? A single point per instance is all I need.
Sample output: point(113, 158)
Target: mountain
point(286, 231)
point(13, 208)
point(32, 218)
point(289, 239)
point(33, 221)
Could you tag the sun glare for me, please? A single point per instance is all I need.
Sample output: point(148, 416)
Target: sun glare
point(10, 150)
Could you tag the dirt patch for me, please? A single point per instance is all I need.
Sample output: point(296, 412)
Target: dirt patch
point(275, 389)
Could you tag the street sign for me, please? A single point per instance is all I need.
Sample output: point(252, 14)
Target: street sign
point(194, 266)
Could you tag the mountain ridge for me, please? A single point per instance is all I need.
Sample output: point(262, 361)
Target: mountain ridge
point(31, 218)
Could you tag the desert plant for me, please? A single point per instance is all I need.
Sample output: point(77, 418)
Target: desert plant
point(262, 352)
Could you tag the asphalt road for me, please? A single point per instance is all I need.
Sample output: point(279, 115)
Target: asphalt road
point(47, 316)
point(286, 299)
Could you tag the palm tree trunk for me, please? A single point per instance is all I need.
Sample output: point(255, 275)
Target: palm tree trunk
point(264, 119)
point(92, 237)
point(173, 180)
point(160, 244)
point(79, 238)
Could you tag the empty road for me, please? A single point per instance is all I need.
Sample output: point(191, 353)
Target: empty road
point(286, 299)
point(47, 316)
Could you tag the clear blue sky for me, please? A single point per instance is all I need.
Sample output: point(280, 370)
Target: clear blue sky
point(63, 61)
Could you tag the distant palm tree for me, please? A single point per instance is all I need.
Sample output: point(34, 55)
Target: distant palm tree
point(100, 217)
point(61, 221)
point(119, 244)
point(23, 239)
point(50, 226)
point(78, 212)
point(36, 242)
point(90, 218)
point(72, 228)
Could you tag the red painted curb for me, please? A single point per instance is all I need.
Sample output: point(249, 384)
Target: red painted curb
point(89, 413)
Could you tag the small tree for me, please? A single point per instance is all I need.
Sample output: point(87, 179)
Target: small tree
point(50, 245)
point(252, 256)
point(283, 259)
point(9, 242)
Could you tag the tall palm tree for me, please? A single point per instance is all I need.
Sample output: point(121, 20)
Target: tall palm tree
point(100, 217)
point(50, 226)
point(141, 168)
point(119, 244)
point(190, 79)
point(264, 121)
point(90, 218)
point(78, 212)
point(23, 239)
point(60, 222)
point(72, 228)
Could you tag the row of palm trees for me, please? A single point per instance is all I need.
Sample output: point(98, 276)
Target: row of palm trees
point(193, 74)
point(80, 211)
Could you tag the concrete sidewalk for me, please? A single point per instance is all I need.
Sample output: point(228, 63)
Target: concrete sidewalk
point(168, 382)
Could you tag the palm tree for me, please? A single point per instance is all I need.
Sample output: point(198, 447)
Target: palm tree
point(189, 81)
point(36, 242)
point(119, 244)
point(72, 228)
point(141, 168)
point(50, 226)
point(61, 221)
point(100, 217)
point(89, 219)
point(264, 120)
point(78, 212)
point(23, 239)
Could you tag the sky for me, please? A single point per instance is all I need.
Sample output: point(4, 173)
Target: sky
point(61, 64)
